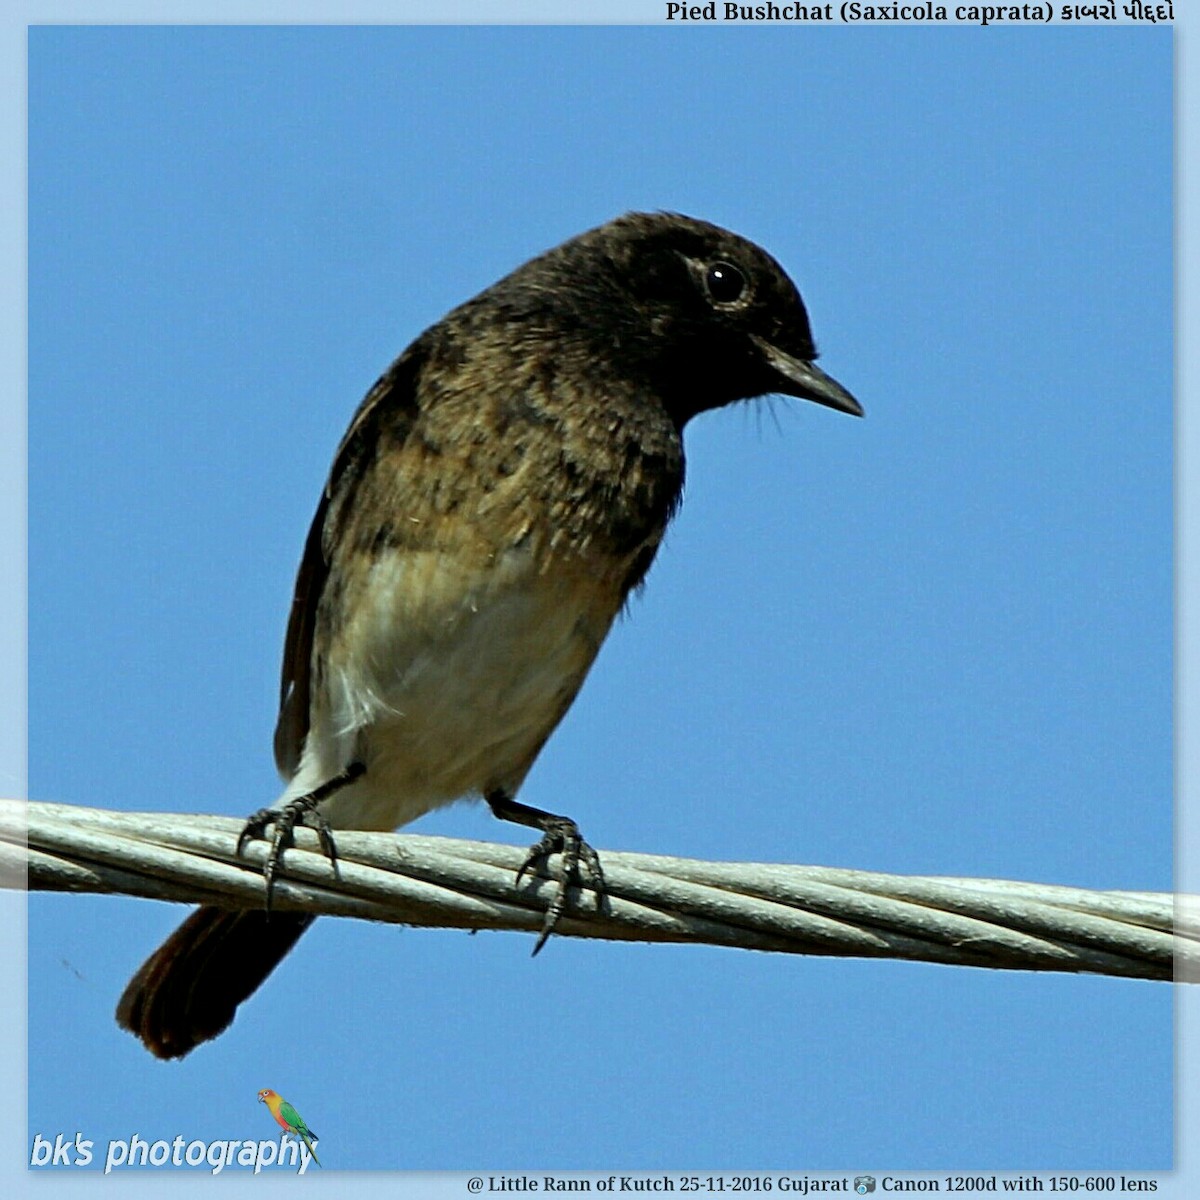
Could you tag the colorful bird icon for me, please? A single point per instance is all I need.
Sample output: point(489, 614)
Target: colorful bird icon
point(290, 1119)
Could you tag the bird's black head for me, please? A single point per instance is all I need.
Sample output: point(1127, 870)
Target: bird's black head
point(703, 316)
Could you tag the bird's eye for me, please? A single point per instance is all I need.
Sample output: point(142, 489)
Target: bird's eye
point(725, 282)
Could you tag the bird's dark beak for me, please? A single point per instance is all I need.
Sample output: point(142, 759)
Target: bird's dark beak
point(806, 380)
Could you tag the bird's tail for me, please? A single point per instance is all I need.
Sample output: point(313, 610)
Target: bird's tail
point(188, 990)
point(305, 1139)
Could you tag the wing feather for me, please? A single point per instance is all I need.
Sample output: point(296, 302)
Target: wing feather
point(394, 394)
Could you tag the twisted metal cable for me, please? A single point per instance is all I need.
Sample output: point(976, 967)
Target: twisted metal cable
point(433, 881)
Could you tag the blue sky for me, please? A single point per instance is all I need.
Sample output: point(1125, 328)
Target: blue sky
point(934, 641)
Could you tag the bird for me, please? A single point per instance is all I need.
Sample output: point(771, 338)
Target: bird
point(290, 1119)
point(497, 499)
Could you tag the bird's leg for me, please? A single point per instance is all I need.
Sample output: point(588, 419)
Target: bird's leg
point(560, 835)
point(303, 810)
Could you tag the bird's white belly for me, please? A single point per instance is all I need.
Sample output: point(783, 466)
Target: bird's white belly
point(448, 683)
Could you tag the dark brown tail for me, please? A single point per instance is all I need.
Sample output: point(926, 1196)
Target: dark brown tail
point(188, 990)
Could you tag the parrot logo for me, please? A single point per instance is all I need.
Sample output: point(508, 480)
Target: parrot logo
point(290, 1119)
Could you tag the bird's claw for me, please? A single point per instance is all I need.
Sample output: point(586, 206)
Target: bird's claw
point(562, 836)
point(302, 811)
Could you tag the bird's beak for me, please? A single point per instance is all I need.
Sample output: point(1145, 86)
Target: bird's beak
point(807, 380)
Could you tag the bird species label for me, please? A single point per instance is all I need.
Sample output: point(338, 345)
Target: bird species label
point(850, 12)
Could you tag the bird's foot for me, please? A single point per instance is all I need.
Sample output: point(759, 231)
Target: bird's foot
point(304, 811)
point(560, 835)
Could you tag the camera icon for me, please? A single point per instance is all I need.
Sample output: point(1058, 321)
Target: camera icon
point(864, 1185)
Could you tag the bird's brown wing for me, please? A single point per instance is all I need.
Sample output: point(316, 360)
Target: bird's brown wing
point(394, 399)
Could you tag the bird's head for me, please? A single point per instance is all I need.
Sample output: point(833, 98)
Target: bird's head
point(266, 1095)
point(703, 315)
